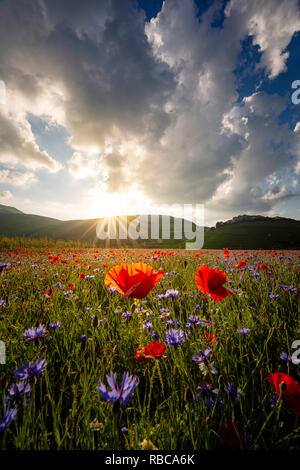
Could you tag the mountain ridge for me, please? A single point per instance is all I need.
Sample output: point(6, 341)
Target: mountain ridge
point(240, 232)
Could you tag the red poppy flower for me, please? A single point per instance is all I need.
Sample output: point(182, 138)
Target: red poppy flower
point(226, 252)
point(230, 431)
point(71, 286)
point(210, 281)
point(262, 266)
point(241, 264)
point(210, 337)
point(82, 275)
point(155, 349)
point(133, 280)
point(290, 391)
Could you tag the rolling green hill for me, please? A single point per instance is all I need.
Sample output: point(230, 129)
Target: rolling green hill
point(242, 232)
point(264, 234)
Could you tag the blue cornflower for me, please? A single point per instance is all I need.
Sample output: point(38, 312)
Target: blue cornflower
point(285, 357)
point(203, 355)
point(147, 325)
point(204, 364)
point(29, 371)
point(68, 292)
point(9, 416)
point(2, 303)
point(126, 314)
point(35, 333)
point(124, 393)
point(164, 312)
point(112, 290)
point(244, 331)
point(233, 393)
point(172, 293)
point(175, 337)
point(274, 400)
point(17, 392)
point(209, 396)
point(54, 325)
point(195, 321)
point(58, 285)
point(172, 322)
point(154, 335)
point(4, 265)
point(160, 296)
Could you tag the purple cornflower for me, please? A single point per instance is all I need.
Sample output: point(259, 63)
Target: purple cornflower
point(160, 296)
point(244, 331)
point(16, 393)
point(4, 265)
point(172, 293)
point(58, 285)
point(54, 325)
point(147, 325)
point(124, 393)
point(2, 303)
point(29, 371)
point(274, 400)
point(8, 418)
point(233, 393)
point(35, 333)
point(68, 292)
point(154, 335)
point(126, 314)
point(195, 321)
point(203, 355)
point(205, 365)
point(172, 322)
point(285, 357)
point(209, 396)
point(175, 337)
point(273, 296)
point(112, 290)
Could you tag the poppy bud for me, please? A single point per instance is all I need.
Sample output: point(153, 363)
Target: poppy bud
point(83, 342)
point(188, 395)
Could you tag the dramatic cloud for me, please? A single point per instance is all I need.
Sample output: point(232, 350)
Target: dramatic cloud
point(154, 105)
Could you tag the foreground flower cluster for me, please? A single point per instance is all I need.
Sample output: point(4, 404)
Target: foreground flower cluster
point(177, 349)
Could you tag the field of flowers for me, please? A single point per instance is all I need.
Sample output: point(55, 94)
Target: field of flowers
point(148, 349)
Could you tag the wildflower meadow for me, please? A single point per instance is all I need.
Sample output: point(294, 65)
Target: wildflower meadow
point(148, 349)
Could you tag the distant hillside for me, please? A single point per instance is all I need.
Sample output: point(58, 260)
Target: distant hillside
point(241, 232)
point(35, 226)
point(254, 232)
point(9, 210)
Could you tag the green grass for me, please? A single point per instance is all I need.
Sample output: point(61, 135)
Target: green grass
point(64, 400)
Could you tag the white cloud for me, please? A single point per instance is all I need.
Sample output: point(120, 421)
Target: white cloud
point(23, 180)
point(5, 195)
point(272, 23)
point(83, 166)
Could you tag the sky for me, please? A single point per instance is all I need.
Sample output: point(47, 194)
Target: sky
point(127, 107)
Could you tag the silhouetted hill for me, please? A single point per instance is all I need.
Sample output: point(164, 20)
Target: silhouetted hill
point(241, 232)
